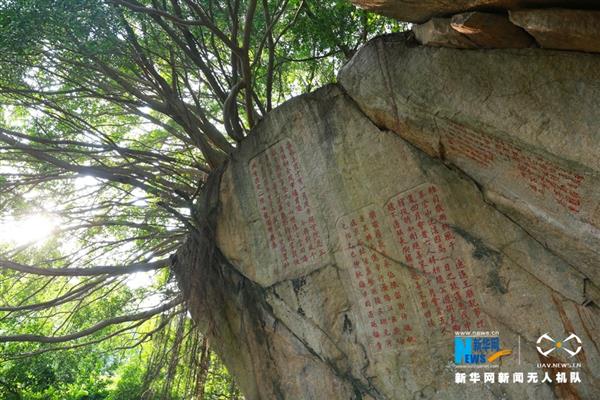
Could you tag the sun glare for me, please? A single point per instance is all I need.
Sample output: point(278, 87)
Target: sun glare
point(140, 280)
point(28, 229)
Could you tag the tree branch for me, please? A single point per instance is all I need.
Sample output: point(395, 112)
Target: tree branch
point(92, 271)
point(95, 328)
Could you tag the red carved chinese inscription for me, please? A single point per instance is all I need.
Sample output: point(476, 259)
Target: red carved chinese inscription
point(538, 174)
point(384, 302)
point(292, 229)
point(442, 286)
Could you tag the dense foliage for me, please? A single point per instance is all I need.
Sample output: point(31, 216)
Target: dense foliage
point(112, 115)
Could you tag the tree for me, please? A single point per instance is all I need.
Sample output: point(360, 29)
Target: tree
point(117, 118)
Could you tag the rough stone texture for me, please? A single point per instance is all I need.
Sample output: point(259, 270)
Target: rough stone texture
point(302, 329)
point(522, 123)
point(438, 32)
point(490, 31)
point(561, 28)
point(421, 11)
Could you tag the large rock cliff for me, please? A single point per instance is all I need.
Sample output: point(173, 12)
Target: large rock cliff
point(432, 191)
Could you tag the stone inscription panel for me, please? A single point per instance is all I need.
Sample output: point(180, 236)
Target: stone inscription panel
point(408, 277)
point(378, 284)
point(293, 232)
point(441, 285)
point(539, 175)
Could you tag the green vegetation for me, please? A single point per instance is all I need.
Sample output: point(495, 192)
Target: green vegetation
point(112, 116)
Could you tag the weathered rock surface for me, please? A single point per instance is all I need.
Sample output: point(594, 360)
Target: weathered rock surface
point(489, 31)
point(438, 32)
point(522, 123)
point(355, 255)
point(561, 28)
point(421, 11)
point(472, 30)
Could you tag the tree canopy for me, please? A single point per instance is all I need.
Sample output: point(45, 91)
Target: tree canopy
point(113, 115)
